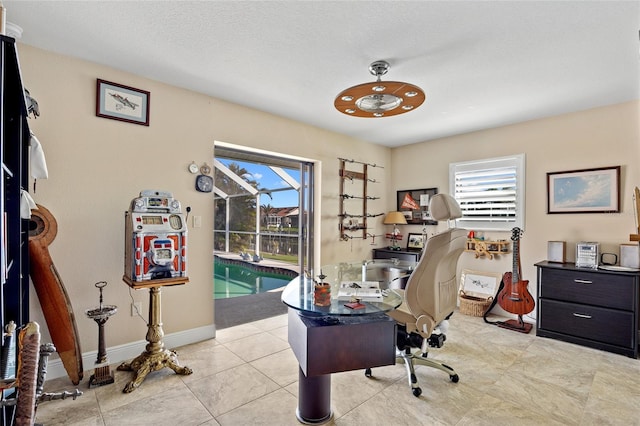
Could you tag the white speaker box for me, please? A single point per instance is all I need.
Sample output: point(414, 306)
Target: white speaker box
point(556, 251)
point(630, 255)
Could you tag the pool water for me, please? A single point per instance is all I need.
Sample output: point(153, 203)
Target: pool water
point(233, 280)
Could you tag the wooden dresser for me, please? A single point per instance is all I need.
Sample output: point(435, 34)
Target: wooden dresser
point(589, 307)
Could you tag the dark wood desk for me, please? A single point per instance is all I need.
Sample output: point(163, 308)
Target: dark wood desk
point(386, 253)
point(328, 344)
point(332, 339)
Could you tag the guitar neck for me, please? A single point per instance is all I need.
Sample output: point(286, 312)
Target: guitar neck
point(515, 270)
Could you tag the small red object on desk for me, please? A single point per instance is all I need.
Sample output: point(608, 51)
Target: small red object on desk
point(355, 305)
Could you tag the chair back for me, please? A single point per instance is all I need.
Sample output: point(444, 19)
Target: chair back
point(432, 288)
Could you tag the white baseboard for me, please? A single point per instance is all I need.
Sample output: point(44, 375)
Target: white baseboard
point(118, 354)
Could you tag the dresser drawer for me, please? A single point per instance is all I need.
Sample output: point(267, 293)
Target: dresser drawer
point(594, 323)
point(593, 288)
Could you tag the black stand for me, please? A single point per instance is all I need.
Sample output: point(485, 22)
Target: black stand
point(102, 374)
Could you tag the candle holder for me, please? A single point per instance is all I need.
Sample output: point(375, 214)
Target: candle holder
point(322, 292)
point(102, 373)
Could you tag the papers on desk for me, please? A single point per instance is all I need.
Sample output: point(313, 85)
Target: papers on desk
point(366, 291)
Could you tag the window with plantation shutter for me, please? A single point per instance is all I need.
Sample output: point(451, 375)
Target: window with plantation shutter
point(490, 192)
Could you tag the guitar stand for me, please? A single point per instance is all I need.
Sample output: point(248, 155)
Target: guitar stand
point(516, 325)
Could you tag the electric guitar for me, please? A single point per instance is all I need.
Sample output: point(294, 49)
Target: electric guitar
point(514, 297)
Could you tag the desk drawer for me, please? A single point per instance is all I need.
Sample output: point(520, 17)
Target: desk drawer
point(395, 254)
point(600, 324)
point(325, 344)
point(593, 288)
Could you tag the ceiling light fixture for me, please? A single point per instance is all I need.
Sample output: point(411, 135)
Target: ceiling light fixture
point(379, 98)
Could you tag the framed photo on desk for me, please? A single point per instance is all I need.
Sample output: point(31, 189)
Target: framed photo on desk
point(414, 205)
point(415, 242)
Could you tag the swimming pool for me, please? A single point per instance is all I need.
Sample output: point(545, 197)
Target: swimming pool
point(236, 278)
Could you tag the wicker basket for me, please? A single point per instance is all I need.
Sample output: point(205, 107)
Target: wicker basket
point(474, 306)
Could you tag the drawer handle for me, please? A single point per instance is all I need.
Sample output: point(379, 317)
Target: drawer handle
point(582, 315)
point(583, 281)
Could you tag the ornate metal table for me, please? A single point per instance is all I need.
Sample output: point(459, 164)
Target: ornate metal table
point(155, 357)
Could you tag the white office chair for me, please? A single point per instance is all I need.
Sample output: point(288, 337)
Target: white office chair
point(430, 295)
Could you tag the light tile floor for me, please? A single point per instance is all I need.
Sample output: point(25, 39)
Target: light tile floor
point(248, 375)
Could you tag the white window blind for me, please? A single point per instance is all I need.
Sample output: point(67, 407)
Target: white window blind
point(490, 192)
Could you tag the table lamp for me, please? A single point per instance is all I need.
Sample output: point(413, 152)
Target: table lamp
point(395, 219)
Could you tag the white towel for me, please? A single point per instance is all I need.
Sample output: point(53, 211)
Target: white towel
point(26, 204)
point(37, 162)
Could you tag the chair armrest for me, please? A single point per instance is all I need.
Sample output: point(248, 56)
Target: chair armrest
point(425, 325)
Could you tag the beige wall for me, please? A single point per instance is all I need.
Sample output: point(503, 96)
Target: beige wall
point(97, 165)
point(600, 137)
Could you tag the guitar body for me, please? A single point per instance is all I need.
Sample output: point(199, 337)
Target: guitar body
point(515, 297)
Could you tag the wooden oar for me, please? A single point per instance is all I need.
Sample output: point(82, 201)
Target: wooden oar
point(52, 294)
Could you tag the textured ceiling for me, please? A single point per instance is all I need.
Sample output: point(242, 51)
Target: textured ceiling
point(482, 64)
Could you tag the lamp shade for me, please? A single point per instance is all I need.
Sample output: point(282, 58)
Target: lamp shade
point(395, 218)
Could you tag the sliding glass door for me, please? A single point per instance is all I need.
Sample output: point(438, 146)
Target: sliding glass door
point(263, 206)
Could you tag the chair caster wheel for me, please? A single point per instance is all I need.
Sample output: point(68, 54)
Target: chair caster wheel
point(454, 378)
point(416, 392)
point(367, 372)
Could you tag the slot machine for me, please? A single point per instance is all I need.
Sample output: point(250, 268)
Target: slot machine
point(155, 238)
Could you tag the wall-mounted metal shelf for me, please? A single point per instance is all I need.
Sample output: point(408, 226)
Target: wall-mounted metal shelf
point(353, 201)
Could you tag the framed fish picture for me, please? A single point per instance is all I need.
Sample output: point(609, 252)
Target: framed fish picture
point(122, 103)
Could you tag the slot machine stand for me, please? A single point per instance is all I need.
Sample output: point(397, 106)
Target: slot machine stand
point(155, 357)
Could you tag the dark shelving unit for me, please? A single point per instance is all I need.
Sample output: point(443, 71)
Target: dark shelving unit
point(14, 138)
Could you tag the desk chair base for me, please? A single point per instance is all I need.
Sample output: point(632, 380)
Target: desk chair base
point(412, 358)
